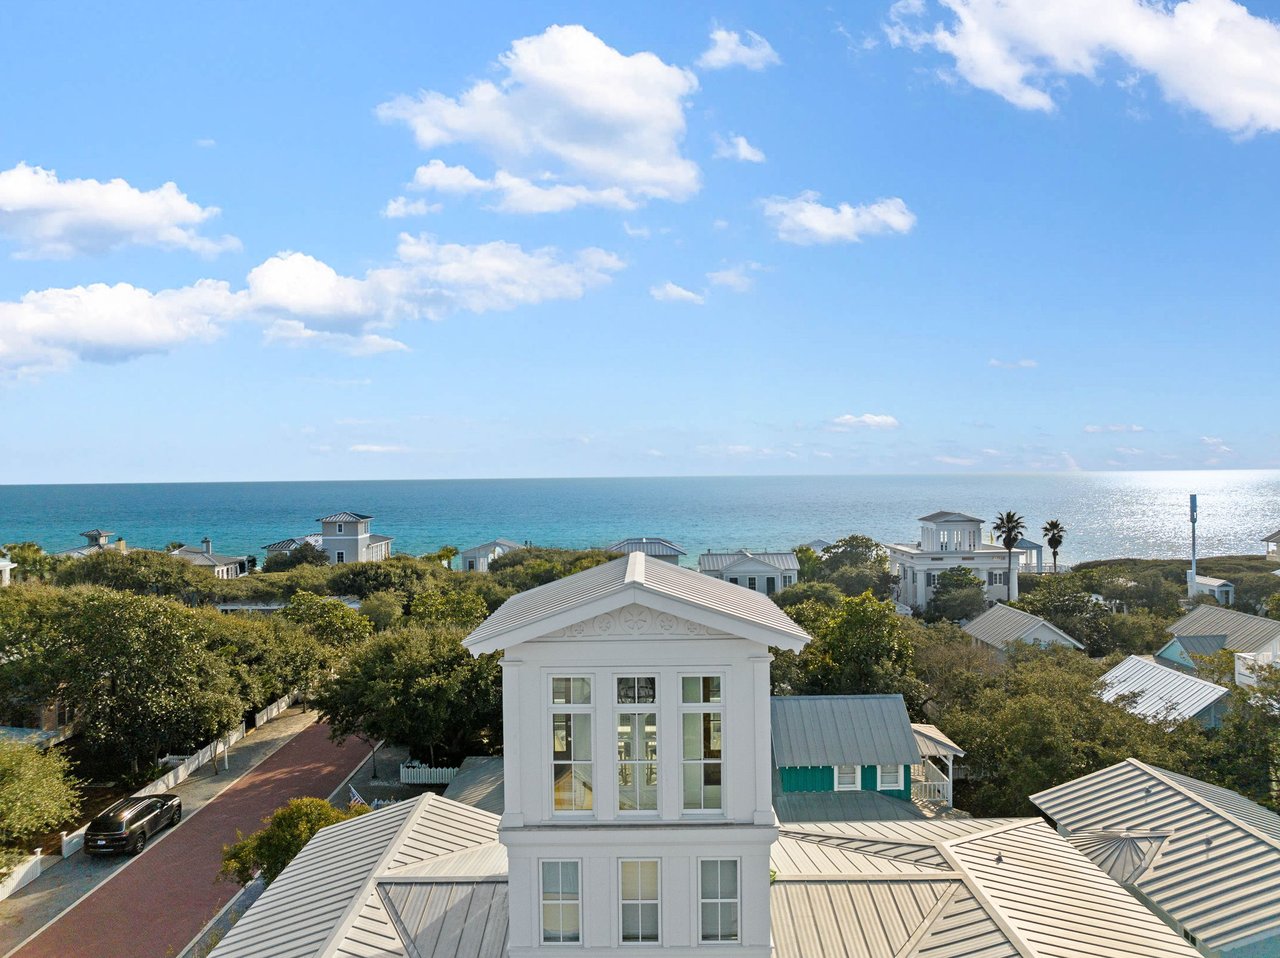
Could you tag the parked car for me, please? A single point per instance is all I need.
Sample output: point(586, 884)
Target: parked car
point(126, 825)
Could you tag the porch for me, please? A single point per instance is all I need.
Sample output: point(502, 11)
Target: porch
point(931, 780)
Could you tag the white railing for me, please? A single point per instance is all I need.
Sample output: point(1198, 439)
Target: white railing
point(23, 873)
point(411, 773)
point(274, 709)
point(930, 792)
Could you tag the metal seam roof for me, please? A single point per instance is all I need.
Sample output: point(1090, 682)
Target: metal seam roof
point(1162, 692)
point(1244, 632)
point(822, 730)
point(1002, 625)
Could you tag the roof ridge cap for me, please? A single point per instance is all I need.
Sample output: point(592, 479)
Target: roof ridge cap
point(635, 569)
point(1159, 775)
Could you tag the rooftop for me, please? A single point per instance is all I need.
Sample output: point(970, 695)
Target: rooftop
point(945, 516)
point(486, 547)
point(719, 561)
point(1244, 632)
point(649, 545)
point(1002, 625)
point(344, 517)
point(1160, 692)
point(824, 730)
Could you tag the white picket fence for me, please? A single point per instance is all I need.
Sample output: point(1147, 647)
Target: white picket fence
point(181, 771)
point(23, 873)
point(411, 773)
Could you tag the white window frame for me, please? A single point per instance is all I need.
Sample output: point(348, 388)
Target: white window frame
point(857, 778)
point(542, 900)
point(639, 901)
point(637, 709)
point(880, 785)
point(339, 528)
point(751, 583)
point(553, 709)
point(339, 558)
point(700, 708)
point(737, 939)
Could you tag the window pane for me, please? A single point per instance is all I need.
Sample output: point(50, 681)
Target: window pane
point(692, 726)
point(710, 880)
point(710, 921)
point(581, 743)
point(630, 922)
point(649, 922)
point(626, 691)
point(581, 691)
point(551, 879)
point(649, 880)
point(691, 689)
point(582, 792)
point(630, 881)
point(729, 879)
point(728, 921)
point(569, 922)
point(646, 689)
point(692, 786)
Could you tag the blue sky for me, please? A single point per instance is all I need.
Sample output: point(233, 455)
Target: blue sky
point(287, 241)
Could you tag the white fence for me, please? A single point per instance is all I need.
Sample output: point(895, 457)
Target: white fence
point(23, 873)
point(411, 773)
point(73, 842)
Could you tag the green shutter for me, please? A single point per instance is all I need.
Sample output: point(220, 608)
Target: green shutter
point(808, 778)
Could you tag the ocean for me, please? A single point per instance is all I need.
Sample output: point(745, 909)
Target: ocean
point(1112, 514)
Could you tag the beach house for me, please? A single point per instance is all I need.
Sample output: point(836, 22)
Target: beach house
point(477, 558)
point(1160, 693)
point(655, 547)
point(1272, 543)
point(948, 540)
point(1204, 858)
point(764, 572)
point(1206, 629)
point(96, 540)
point(1002, 625)
point(222, 566)
point(1220, 590)
point(636, 818)
point(6, 570)
point(344, 537)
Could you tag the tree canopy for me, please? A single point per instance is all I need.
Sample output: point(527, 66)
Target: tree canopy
point(37, 793)
point(268, 850)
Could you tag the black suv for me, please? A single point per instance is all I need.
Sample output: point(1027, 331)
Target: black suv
point(126, 825)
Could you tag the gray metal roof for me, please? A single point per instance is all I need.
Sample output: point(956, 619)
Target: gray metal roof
point(649, 545)
point(1217, 873)
point(634, 578)
point(841, 730)
point(1274, 537)
point(95, 533)
point(1161, 692)
point(327, 902)
point(948, 517)
point(1124, 854)
point(1198, 644)
point(850, 806)
point(1244, 632)
point(479, 782)
point(197, 556)
point(1002, 625)
point(344, 517)
point(932, 741)
point(969, 888)
point(485, 548)
point(719, 561)
point(464, 919)
point(285, 545)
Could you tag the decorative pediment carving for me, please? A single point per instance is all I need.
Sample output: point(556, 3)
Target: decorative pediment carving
point(637, 620)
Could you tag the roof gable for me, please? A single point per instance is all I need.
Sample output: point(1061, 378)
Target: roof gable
point(1001, 625)
point(649, 545)
point(1244, 632)
point(344, 517)
point(657, 585)
point(1161, 691)
point(945, 516)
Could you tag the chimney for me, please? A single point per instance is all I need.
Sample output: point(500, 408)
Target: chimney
point(208, 545)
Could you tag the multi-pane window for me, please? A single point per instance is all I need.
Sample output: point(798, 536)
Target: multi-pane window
point(751, 582)
point(571, 768)
point(639, 899)
point(848, 778)
point(561, 902)
point(718, 896)
point(637, 745)
point(702, 755)
point(890, 776)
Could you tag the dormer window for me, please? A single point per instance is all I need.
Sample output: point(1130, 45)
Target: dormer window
point(571, 764)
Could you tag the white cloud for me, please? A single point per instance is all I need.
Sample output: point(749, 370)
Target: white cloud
point(516, 194)
point(206, 143)
point(1212, 56)
point(53, 218)
point(439, 176)
point(805, 221)
point(639, 232)
point(868, 420)
point(1216, 445)
point(371, 448)
point(736, 278)
point(1115, 427)
point(402, 206)
point(298, 299)
point(671, 293)
point(954, 460)
point(567, 102)
point(728, 50)
point(737, 148)
point(1128, 451)
point(1013, 364)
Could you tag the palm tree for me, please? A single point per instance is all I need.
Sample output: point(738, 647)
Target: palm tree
point(1054, 532)
point(1009, 526)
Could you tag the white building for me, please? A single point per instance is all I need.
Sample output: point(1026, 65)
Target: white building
point(1272, 542)
point(764, 572)
point(947, 540)
point(638, 809)
point(1222, 591)
point(477, 558)
point(222, 566)
point(6, 568)
point(96, 540)
point(344, 537)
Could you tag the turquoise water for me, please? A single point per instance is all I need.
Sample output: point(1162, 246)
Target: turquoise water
point(1141, 514)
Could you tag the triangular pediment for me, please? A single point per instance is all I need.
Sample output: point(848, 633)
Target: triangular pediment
point(634, 620)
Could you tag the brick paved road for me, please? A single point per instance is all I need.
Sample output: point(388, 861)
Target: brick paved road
point(153, 908)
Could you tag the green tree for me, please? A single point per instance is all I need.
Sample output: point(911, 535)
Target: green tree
point(384, 609)
point(859, 648)
point(1273, 606)
point(140, 571)
point(140, 674)
point(302, 554)
point(810, 564)
point(1054, 532)
point(951, 665)
point(855, 550)
point(267, 851)
point(1039, 722)
point(331, 621)
point(958, 595)
point(417, 687)
point(523, 569)
point(823, 592)
point(1009, 526)
point(443, 556)
point(34, 564)
point(449, 607)
point(1061, 602)
point(37, 794)
point(1244, 754)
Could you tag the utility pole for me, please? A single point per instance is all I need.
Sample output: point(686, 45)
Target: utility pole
point(1191, 576)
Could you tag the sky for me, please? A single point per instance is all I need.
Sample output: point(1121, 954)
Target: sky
point(252, 241)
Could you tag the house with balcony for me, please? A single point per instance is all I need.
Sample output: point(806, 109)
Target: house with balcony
point(344, 537)
point(636, 817)
point(477, 558)
point(222, 566)
point(948, 540)
point(763, 572)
